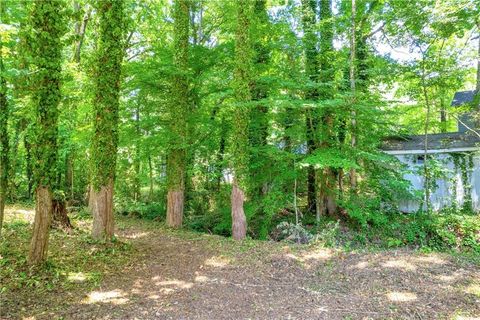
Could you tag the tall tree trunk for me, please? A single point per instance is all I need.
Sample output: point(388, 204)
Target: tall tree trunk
point(47, 20)
point(4, 147)
point(137, 160)
point(41, 225)
point(239, 221)
point(443, 115)
point(28, 164)
point(240, 141)
point(177, 153)
point(102, 211)
point(258, 123)
point(106, 104)
point(150, 177)
point(60, 215)
point(69, 169)
point(327, 181)
point(353, 172)
point(309, 17)
point(80, 29)
point(426, 170)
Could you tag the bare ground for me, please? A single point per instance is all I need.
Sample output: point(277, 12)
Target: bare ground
point(182, 275)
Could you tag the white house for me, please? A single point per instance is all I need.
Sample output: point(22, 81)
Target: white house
point(455, 181)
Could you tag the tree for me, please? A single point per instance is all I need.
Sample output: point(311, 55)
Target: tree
point(242, 96)
point(326, 181)
point(107, 78)
point(47, 26)
point(309, 20)
point(176, 157)
point(4, 146)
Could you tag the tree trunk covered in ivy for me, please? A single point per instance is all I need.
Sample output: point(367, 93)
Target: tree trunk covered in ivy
point(353, 120)
point(47, 29)
point(177, 152)
point(107, 89)
point(4, 148)
point(258, 123)
point(242, 96)
point(327, 181)
point(309, 9)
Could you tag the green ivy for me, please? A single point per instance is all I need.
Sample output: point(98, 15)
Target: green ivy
point(107, 76)
point(47, 28)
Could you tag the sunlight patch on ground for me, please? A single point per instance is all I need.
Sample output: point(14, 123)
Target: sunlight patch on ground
point(179, 284)
point(309, 259)
point(114, 296)
point(201, 279)
point(217, 262)
point(401, 296)
point(431, 259)
point(137, 235)
point(77, 277)
point(449, 278)
point(466, 318)
point(474, 289)
point(322, 254)
point(29, 318)
point(13, 213)
point(399, 264)
point(361, 265)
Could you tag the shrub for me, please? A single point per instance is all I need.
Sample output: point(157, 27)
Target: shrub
point(292, 232)
point(150, 211)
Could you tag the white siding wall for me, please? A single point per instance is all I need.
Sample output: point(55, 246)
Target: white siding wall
point(447, 188)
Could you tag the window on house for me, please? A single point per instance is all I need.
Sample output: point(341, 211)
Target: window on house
point(420, 159)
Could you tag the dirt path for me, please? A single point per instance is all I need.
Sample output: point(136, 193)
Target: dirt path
point(180, 275)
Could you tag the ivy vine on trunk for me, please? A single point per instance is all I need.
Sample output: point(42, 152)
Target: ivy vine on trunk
point(47, 23)
point(109, 56)
point(177, 153)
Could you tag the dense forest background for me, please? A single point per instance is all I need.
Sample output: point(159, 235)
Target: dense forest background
point(227, 117)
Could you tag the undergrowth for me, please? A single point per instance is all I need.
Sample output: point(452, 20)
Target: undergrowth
point(75, 261)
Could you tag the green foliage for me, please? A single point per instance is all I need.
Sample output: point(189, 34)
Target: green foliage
point(76, 262)
point(149, 211)
point(291, 232)
point(179, 109)
point(242, 93)
point(446, 231)
point(47, 24)
point(108, 63)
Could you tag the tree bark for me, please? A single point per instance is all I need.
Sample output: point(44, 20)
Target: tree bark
point(102, 211)
point(309, 20)
point(48, 21)
point(80, 28)
point(60, 215)
point(353, 172)
point(327, 177)
point(106, 108)
point(179, 112)
point(443, 115)
point(242, 92)
point(4, 144)
point(175, 205)
point(41, 225)
point(28, 164)
point(150, 177)
point(239, 221)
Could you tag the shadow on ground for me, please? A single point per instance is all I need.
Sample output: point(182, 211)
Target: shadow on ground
point(205, 277)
